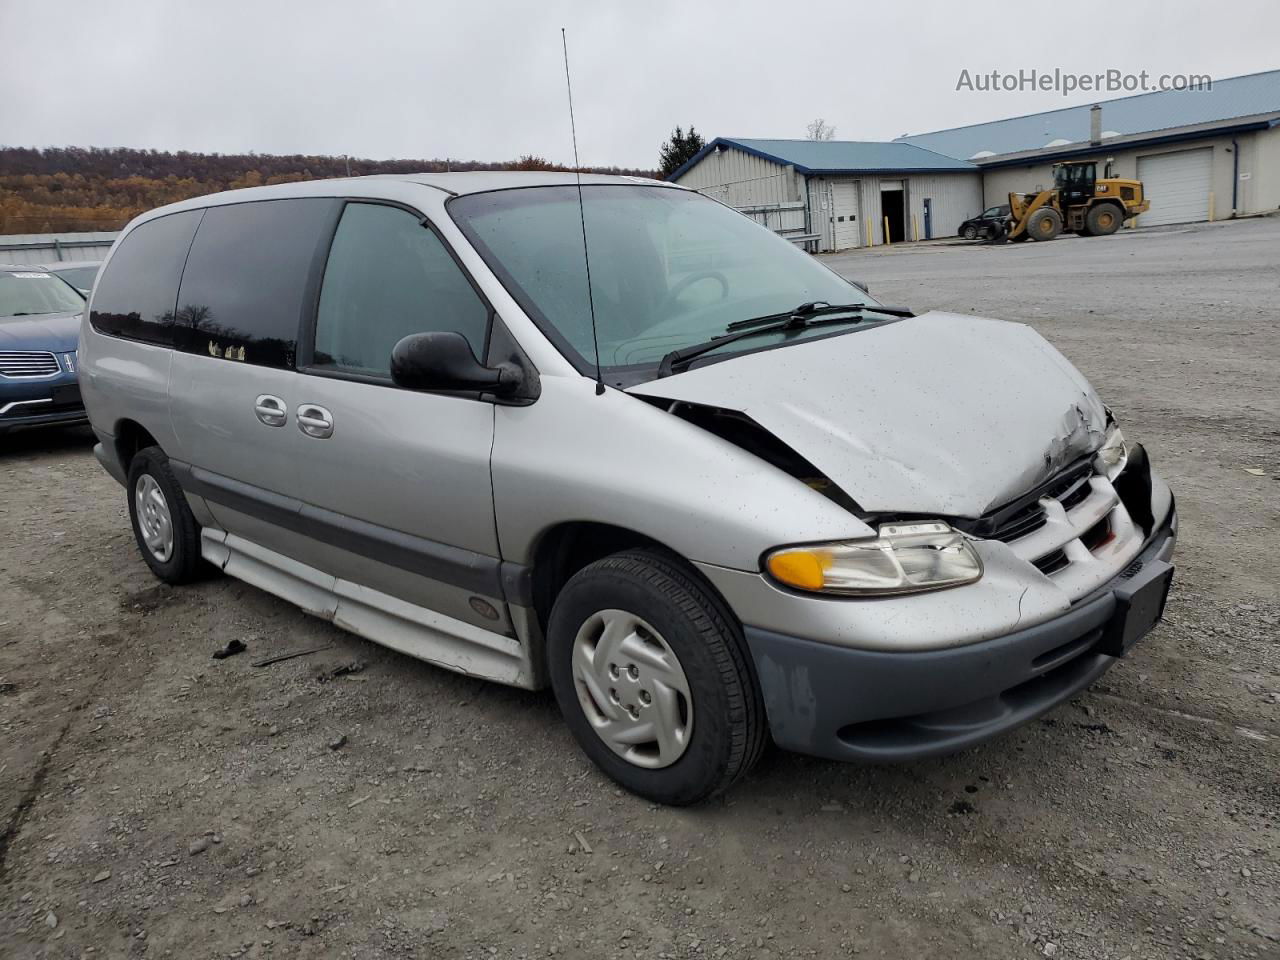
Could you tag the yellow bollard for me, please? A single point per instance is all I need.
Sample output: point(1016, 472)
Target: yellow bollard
point(871, 241)
point(886, 232)
point(915, 228)
point(1211, 206)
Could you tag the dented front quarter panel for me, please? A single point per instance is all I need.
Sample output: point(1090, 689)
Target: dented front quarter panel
point(939, 414)
point(615, 459)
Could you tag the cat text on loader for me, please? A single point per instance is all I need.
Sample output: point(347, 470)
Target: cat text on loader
point(1078, 203)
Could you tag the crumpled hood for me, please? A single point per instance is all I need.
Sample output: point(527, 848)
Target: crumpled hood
point(938, 414)
point(57, 332)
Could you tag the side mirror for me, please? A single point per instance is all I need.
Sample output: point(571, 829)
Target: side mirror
point(443, 360)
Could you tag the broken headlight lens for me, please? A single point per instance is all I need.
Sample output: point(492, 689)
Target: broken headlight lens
point(1112, 455)
point(904, 558)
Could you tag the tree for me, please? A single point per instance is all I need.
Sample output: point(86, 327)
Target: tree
point(679, 150)
point(819, 130)
point(529, 161)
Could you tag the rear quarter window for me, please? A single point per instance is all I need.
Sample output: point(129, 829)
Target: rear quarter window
point(136, 295)
point(247, 278)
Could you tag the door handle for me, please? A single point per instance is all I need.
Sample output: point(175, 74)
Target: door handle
point(315, 421)
point(271, 410)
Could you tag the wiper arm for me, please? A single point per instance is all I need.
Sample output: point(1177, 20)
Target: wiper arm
point(686, 354)
point(797, 319)
point(817, 308)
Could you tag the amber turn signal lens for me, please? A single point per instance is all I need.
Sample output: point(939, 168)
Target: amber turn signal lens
point(800, 568)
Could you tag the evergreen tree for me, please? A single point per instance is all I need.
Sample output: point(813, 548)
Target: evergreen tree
point(679, 150)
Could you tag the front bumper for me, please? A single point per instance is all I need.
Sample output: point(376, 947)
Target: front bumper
point(40, 403)
point(879, 706)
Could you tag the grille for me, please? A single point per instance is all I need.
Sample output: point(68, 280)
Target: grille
point(1051, 563)
point(1026, 521)
point(27, 363)
point(1071, 491)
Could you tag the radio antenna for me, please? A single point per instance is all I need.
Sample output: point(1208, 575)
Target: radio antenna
point(582, 215)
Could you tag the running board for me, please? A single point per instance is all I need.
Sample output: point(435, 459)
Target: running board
point(386, 620)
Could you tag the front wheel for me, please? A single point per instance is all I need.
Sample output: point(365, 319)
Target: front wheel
point(1045, 224)
point(652, 676)
point(970, 232)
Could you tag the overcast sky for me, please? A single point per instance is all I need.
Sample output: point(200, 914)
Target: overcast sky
point(484, 79)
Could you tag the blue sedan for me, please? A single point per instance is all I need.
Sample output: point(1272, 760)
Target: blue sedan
point(39, 328)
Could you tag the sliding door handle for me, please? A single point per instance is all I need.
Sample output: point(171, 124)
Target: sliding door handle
point(271, 410)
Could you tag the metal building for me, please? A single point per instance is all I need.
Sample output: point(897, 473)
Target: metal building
point(1202, 154)
point(54, 247)
point(835, 194)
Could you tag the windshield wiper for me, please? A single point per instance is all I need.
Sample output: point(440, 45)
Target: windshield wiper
point(798, 319)
point(816, 309)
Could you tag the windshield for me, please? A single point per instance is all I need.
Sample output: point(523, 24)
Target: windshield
point(26, 293)
point(669, 269)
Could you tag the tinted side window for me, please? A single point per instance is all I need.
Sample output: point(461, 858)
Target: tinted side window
point(389, 276)
point(246, 278)
point(136, 293)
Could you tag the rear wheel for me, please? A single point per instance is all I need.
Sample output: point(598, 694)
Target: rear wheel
point(1045, 224)
point(652, 676)
point(1104, 220)
point(167, 533)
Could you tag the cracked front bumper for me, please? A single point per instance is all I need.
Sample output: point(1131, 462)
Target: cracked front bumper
point(883, 706)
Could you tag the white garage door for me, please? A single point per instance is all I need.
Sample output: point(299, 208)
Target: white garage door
point(848, 222)
point(1177, 184)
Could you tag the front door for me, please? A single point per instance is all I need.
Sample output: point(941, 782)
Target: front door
point(396, 482)
point(1077, 184)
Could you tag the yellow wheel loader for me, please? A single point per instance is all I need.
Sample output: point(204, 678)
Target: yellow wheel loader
point(1079, 202)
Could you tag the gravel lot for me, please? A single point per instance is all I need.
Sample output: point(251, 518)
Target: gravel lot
point(159, 803)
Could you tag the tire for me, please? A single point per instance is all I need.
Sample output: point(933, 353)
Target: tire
point(167, 533)
point(1104, 220)
point(673, 612)
point(1045, 224)
point(970, 232)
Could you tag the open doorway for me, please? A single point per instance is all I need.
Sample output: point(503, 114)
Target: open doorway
point(893, 207)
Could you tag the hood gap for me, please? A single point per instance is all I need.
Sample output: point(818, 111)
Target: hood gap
point(734, 426)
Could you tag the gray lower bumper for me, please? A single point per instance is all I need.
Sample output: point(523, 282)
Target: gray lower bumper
point(54, 418)
point(868, 705)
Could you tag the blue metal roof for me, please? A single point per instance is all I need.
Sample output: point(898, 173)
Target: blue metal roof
point(837, 156)
point(1257, 93)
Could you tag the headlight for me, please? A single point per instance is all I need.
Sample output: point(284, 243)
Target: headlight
point(1112, 455)
point(904, 558)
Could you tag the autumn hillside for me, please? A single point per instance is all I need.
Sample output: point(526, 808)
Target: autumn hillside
point(68, 189)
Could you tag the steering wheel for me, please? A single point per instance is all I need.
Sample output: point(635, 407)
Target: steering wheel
point(674, 293)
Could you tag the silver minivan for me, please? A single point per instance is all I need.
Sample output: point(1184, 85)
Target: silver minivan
point(618, 439)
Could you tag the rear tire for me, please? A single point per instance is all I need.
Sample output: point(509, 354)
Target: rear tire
point(1104, 220)
point(163, 525)
point(1045, 224)
point(681, 656)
